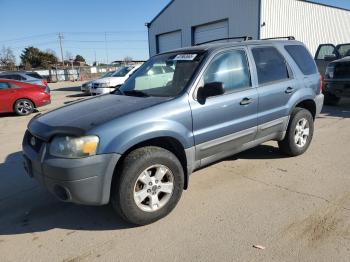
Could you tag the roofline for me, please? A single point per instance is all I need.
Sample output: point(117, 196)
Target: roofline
point(326, 5)
point(306, 1)
point(166, 7)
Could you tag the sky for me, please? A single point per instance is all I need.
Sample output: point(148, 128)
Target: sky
point(107, 29)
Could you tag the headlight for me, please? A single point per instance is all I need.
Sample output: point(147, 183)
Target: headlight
point(330, 71)
point(74, 147)
point(103, 85)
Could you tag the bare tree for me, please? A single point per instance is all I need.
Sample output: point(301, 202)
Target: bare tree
point(69, 56)
point(7, 58)
point(127, 59)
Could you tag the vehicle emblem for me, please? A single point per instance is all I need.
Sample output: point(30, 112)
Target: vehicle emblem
point(33, 141)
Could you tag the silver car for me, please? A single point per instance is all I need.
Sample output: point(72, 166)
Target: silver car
point(85, 88)
point(28, 77)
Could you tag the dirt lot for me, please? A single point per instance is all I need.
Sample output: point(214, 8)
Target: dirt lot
point(298, 208)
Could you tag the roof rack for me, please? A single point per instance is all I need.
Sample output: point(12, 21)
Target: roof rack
point(282, 37)
point(244, 38)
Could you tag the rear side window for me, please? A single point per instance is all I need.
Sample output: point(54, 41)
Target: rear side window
point(35, 75)
point(302, 58)
point(270, 65)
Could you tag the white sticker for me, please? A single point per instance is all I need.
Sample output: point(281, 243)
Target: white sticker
point(185, 57)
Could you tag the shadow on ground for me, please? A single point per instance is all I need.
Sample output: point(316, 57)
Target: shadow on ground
point(70, 88)
point(341, 110)
point(26, 207)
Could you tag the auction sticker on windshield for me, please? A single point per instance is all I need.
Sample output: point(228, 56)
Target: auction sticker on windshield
point(185, 57)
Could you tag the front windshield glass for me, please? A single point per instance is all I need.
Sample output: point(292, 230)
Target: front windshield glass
point(107, 74)
point(121, 72)
point(164, 75)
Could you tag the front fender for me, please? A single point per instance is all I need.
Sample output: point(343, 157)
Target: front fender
point(146, 131)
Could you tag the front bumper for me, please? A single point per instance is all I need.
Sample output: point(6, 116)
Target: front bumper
point(338, 87)
point(319, 100)
point(100, 91)
point(83, 181)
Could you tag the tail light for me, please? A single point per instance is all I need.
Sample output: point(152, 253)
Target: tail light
point(321, 84)
point(44, 82)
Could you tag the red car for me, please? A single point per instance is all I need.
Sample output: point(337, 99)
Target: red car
point(22, 98)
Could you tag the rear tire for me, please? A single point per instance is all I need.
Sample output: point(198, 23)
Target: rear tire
point(331, 100)
point(149, 186)
point(299, 133)
point(23, 107)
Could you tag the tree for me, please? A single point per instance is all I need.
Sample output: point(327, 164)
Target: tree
point(33, 57)
point(79, 58)
point(7, 58)
point(127, 59)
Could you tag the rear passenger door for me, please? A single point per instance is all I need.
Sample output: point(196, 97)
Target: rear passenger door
point(276, 85)
point(324, 51)
point(224, 123)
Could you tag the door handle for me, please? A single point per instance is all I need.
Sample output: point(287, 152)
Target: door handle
point(246, 101)
point(289, 90)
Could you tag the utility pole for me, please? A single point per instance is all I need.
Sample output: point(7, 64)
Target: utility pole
point(95, 56)
point(60, 37)
point(106, 47)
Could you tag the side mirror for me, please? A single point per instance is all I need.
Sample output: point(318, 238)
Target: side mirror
point(209, 90)
point(330, 58)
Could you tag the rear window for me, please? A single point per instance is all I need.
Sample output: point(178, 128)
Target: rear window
point(302, 58)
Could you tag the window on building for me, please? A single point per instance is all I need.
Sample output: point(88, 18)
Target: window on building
point(270, 65)
point(230, 68)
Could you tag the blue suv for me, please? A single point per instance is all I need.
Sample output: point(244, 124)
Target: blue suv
point(136, 147)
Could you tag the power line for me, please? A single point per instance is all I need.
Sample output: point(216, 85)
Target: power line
point(26, 37)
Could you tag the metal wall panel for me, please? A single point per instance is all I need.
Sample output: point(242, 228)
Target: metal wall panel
point(310, 23)
point(212, 31)
point(169, 41)
point(185, 15)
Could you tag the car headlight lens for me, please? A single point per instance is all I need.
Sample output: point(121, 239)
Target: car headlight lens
point(330, 71)
point(104, 85)
point(74, 147)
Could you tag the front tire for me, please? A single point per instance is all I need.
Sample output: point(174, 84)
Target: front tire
point(23, 107)
point(299, 133)
point(150, 185)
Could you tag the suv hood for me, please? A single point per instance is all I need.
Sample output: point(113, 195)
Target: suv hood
point(77, 118)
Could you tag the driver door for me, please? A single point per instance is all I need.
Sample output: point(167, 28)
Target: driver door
point(223, 124)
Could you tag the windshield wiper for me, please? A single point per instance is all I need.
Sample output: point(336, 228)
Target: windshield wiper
point(136, 93)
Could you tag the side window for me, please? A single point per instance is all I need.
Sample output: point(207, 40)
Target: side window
point(270, 65)
point(4, 85)
point(324, 50)
point(230, 68)
point(7, 76)
point(302, 58)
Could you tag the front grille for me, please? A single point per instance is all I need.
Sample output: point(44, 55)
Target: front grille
point(34, 142)
point(342, 70)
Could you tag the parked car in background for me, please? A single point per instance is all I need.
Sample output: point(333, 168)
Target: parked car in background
point(334, 63)
point(109, 84)
point(28, 77)
point(85, 87)
point(137, 147)
point(22, 98)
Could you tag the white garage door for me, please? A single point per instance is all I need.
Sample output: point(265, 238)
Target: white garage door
point(169, 41)
point(208, 32)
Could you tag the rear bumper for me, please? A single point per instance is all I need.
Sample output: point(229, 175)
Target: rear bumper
point(83, 181)
point(339, 88)
point(319, 100)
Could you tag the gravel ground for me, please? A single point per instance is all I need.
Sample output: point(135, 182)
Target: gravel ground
point(298, 208)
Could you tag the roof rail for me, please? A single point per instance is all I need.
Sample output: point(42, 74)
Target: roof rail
point(281, 37)
point(244, 38)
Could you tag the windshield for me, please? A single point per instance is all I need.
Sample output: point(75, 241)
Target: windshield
point(344, 50)
point(164, 75)
point(121, 72)
point(107, 74)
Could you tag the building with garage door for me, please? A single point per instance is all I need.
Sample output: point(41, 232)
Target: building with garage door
point(189, 22)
